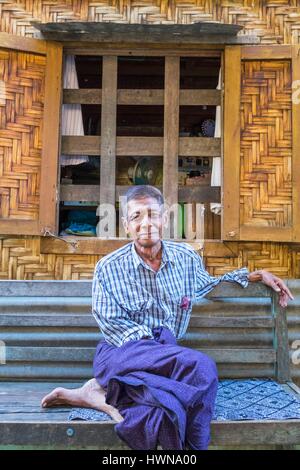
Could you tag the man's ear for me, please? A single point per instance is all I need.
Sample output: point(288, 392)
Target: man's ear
point(125, 224)
point(165, 218)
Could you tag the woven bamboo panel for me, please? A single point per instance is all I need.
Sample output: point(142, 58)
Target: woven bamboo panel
point(20, 258)
point(266, 144)
point(274, 21)
point(21, 109)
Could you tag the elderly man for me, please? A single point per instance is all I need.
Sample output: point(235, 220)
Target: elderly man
point(159, 392)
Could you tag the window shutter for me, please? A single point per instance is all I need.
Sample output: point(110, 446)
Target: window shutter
point(30, 93)
point(261, 144)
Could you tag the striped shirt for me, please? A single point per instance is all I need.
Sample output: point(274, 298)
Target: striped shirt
point(130, 299)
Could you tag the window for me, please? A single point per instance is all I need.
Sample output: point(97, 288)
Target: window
point(118, 130)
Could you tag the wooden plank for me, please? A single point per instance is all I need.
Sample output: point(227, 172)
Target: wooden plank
point(64, 435)
point(78, 192)
point(199, 97)
point(48, 216)
point(229, 289)
point(256, 432)
point(149, 38)
point(229, 322)
point(143, 97)
point(78, 434)
point(88, 245)
point(142, 146)
point(80, 145)
point(141, 49)
point(21, 43)
point(200, 146)
point(279, 234)
point(296, 141)
point(92, 246)
point(108, 130)
point(82, 96)
point(45, 288)
point(24, 227)
point(45, 320)
point(231, 138)
point(281, 340)
point(85, 354)
point(219, 249)
point(272, 51)
point(159, 31)
point(171, 141)
point(71, 320)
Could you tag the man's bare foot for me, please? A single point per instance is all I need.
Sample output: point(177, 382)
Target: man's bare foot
point(90, 395)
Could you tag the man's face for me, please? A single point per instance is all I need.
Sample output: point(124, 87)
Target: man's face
point(144, 221)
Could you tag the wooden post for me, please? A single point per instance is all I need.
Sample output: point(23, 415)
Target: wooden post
point(280, 340)
point(171, 136)
point(231, 139)
point(108, 137)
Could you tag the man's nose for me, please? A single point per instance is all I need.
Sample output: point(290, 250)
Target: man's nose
point(146, 221)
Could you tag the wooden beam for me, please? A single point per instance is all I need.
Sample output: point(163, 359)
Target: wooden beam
point(280, 340)
point(108, 131)
point(90, 193)
point(142, 146)
point(141, 49)
point(21, 43)
point(143, 97)
point(205, 33)
point(90, 245)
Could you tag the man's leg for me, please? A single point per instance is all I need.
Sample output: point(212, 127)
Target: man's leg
point(90, 395)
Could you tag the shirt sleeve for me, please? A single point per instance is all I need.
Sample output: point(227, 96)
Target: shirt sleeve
point(205, 282)
point(114, 322)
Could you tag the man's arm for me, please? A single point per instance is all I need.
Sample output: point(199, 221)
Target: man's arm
point(205, 282)
point(272, 281)
point(113, 320)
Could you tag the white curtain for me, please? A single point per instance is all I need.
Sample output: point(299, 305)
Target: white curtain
point(216, 165)
point(71, 119)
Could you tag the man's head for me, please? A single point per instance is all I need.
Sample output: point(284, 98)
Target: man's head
point(143, 214)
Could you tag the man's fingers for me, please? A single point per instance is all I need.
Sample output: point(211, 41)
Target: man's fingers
point(283, 287)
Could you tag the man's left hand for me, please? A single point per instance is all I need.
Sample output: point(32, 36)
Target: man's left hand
point(275, 282)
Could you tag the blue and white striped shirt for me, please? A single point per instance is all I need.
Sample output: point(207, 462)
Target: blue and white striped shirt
point(130, 298)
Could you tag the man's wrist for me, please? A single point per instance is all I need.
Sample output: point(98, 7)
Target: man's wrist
point(256, 276)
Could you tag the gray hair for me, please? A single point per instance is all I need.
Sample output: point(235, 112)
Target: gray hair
point(140, 191)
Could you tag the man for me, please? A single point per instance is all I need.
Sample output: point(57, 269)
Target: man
point(157, 391)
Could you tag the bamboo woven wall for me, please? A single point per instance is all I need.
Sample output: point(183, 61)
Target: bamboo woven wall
point(274, 21)
point(21, 258)
point(266, 144)
point(22, 77)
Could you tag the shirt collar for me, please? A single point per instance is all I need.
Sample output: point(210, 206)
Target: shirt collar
point(167, 255)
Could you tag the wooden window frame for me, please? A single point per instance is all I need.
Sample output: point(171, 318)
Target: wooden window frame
point(47, 218)
point(231, 227)
point(110, 145)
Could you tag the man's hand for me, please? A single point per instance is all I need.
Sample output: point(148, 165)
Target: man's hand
point(273, 281)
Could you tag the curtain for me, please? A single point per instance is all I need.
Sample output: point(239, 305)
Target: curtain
point(71, 119)
point(215, 207)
